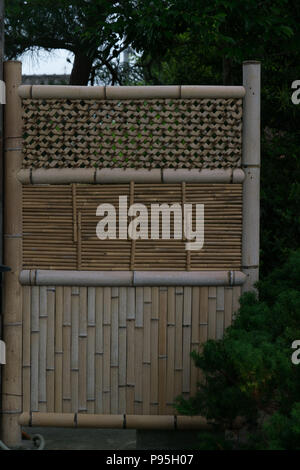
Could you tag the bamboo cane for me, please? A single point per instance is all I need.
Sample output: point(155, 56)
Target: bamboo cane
point(251, 164)
point(12, 308)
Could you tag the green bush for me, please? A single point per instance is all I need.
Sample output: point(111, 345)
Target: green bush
point(249, 373)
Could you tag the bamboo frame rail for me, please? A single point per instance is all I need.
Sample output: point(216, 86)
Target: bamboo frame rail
point(118, 176)
point(39, 277)
point(251, 164)
point(129, 92)
point(12, 308)
point(122, 421)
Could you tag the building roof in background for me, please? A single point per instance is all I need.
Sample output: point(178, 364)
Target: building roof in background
point(46, 79)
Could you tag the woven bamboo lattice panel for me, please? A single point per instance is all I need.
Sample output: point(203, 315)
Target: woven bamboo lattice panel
point(59, 228)
point(117, 350)
point(153, 133)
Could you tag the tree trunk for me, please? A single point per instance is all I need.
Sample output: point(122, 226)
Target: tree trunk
point(227, 71)
point(81, 70)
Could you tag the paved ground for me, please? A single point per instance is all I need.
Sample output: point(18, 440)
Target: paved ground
point(112, 439)
point(85, 439)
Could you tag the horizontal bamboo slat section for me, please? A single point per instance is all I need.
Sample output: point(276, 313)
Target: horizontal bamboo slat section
point(49, 240)
point(116, 350)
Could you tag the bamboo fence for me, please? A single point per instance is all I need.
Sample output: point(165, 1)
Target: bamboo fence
point(99, 333)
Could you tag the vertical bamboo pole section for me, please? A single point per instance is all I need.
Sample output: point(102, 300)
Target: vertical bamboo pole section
point(138, 350)
point(74, 205)
point(74, 347)
point(67, 341)
point(12, 306)
point(106, 350)
point(132, 256)
point(227, 306)
point(50, 359)
point(154, 351)
point(162, 349)
point(195, 336)
point(82, 344)
point(178, 340)
point(26, 346)
point(212, 312)
point(58, 349)
point(251, 165)
point(42, 357)
point(79, 241)
point(35, 353)
point(146, 350)
point(99, 350)
point(203, 323)
point(91, 349)
point(130, 353)
point(170, 395)
point(114, 351)
point(122, 349)
point(220, 312)
point(186, 350)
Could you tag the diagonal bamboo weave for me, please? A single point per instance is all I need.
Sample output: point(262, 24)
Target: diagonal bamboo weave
point(152, 133)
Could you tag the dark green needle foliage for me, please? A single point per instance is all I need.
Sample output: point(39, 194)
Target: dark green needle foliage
point(249, 375)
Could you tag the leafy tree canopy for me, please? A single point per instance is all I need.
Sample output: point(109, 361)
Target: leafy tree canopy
point(65, 24)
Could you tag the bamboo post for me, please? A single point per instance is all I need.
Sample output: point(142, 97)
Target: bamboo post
point(12, 307)
point(251, 165)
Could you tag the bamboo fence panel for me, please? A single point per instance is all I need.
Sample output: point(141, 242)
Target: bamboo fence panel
point(60, 228)
point(117, 350)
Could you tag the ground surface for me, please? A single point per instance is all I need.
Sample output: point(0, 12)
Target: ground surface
point(85, 439)
point(112, 439)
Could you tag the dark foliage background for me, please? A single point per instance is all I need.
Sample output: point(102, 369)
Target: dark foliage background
point(249, 373)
